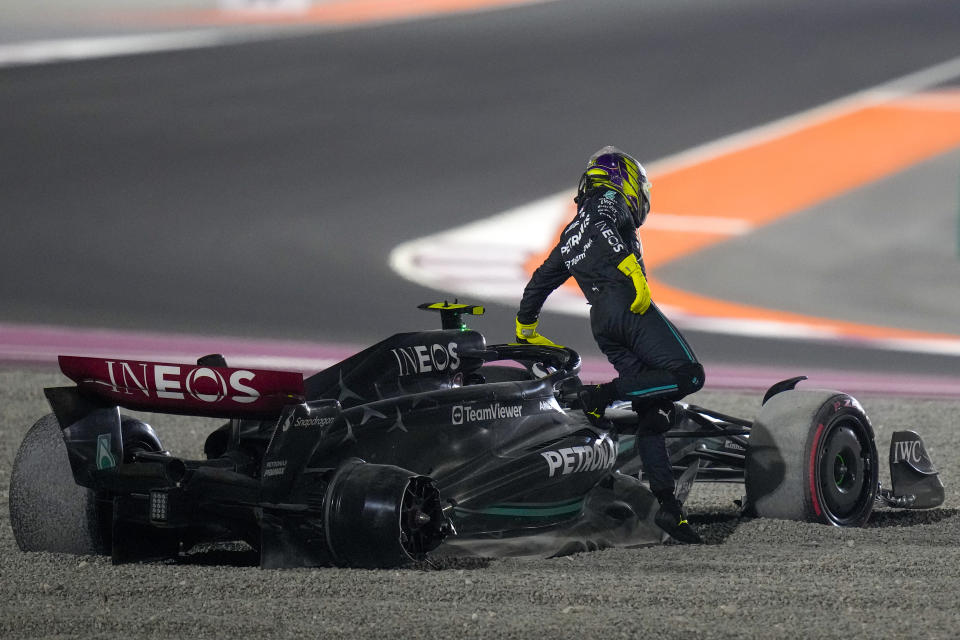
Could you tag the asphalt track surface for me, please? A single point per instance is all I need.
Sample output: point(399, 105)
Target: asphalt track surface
point(257, 189)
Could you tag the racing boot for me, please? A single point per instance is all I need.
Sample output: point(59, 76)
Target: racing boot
point(672, 518)
point(594, 400)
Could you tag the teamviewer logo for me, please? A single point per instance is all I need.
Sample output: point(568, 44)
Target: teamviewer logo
point(457, 417)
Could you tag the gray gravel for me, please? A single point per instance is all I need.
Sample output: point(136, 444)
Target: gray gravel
point(899, 577)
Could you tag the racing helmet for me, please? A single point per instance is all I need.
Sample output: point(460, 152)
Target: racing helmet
point(612, 168)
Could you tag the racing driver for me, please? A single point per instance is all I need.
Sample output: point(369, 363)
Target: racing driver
point(601, 250)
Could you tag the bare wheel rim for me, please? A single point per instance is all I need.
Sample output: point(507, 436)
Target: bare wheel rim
point(844, 470)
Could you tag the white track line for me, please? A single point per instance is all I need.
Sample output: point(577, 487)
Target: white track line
point(486, 258)
point(36, 52)
point(47, 51)
point(699, 224)
point(879, 94)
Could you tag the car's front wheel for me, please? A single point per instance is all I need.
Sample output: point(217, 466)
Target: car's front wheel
point(812, 457)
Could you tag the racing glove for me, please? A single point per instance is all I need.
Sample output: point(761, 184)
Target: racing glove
point(527, 334)
point(631, 268)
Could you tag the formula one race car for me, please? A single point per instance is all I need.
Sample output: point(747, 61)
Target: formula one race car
point(427, 442)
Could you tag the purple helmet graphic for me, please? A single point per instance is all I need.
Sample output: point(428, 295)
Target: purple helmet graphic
point(612, 168)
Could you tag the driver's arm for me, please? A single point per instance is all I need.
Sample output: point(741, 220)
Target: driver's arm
point(548, 276)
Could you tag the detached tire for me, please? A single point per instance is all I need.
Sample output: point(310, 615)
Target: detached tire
point(49, 511)
point(812, 457)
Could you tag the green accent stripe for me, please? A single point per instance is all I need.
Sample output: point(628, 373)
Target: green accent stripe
point(644, 392)
point(682, 343)
point(626, 443)
point(529, 510)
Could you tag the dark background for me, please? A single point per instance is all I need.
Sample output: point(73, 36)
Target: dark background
point(257, 189)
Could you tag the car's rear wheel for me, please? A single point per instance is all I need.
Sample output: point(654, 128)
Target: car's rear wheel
point(49, 511)
point(381, 515)
point(812, 457)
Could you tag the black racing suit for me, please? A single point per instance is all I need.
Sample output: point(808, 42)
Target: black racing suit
point(652, 359)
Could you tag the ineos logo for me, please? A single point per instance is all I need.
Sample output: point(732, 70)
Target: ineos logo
point(168, 382)
point(197, 374)
point(426, 358)
point(612, 240)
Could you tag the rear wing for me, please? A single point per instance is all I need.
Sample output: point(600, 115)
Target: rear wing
point(201, 389)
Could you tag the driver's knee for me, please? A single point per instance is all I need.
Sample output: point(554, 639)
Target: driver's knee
point(690, 378)
point(656, 416)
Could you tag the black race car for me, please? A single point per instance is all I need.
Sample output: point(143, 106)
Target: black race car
point(430, 442)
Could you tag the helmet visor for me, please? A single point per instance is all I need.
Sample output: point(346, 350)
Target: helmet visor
point(636, 187)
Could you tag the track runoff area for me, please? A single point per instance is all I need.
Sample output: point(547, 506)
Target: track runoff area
point(840, 146)
point(792, 164)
